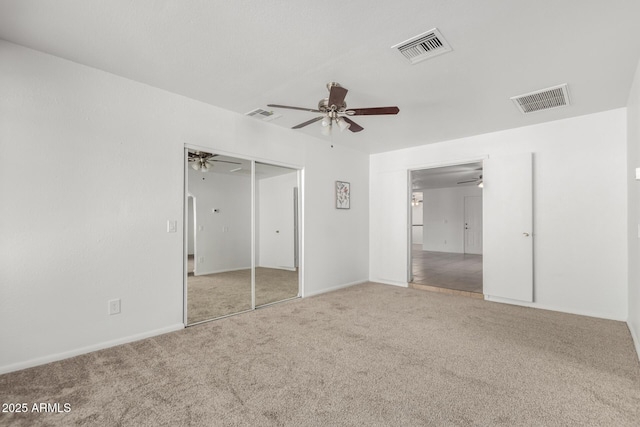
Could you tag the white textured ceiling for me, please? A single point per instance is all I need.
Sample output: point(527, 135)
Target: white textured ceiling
point(242, 55)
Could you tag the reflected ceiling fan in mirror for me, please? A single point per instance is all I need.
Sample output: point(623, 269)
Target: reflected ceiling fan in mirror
point(476, 180)
point(203, 162)
point(334, 111)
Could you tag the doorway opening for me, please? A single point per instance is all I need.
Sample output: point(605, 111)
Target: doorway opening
point(446, 229)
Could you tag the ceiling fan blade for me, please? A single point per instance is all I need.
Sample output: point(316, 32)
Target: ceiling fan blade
point(308, 122)
point(294, 108)
point(336, 96)
point(224, 161)
point(354, 126)
point(471, 180)
point(372, 111)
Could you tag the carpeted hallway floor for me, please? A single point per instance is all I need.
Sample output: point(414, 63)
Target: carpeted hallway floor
point(368, 355)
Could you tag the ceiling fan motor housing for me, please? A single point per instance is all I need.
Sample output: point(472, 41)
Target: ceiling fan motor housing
point(323, 105)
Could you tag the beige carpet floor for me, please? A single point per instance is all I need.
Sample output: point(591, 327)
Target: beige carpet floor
point(368, 355)
point(220, 294)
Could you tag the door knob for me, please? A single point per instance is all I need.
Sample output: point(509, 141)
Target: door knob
point(525, 234)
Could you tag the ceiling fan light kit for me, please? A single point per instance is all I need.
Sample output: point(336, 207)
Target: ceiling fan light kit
point(201, 166)
point(342, 124)
point(334, 111)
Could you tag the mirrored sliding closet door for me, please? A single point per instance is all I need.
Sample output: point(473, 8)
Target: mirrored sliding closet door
point(276, 233)
point(218, 241)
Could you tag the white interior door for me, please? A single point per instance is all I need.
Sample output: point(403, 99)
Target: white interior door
point(473, 225)
point(508, 227)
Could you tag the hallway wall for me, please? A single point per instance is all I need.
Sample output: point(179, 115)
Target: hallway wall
point(444, 218)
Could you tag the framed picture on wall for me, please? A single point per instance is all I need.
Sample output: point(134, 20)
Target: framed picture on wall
point(343, 195)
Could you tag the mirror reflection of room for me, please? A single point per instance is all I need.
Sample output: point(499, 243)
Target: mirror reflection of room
point(219, 236)
point(276, 276)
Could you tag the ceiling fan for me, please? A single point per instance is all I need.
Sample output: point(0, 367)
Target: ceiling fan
point(202, 161)
point(477, 180)
point(334, 110)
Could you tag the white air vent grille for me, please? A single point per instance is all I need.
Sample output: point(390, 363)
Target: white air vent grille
point(423, 46)
point(263, 114)
point(545, 99)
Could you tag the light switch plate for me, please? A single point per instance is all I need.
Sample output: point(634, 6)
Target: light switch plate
point(172, 226)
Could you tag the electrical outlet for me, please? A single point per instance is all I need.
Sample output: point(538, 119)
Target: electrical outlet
point(200, 260)
point(114, 306)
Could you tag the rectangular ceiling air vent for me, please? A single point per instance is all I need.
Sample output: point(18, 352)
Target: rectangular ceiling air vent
point(423, 46)
point(265, 115)
point(545, 99)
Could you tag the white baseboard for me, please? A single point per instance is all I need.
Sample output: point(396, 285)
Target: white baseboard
point(553, 308)
point(334, 288)
point(83, 350)
point(391, 282)
point(204, 273)
point(635, 337)
point(277, 267)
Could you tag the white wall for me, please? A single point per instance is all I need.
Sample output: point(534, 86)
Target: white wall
point(223, 239)
point(276, 221)
point(580, 208)
point(91, 169)
point(444, 218)
point(633, 153)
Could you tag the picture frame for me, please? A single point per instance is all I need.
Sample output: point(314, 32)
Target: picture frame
point(343, 195)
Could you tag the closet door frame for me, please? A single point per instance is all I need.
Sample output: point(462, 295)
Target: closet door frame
point(185, 222)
